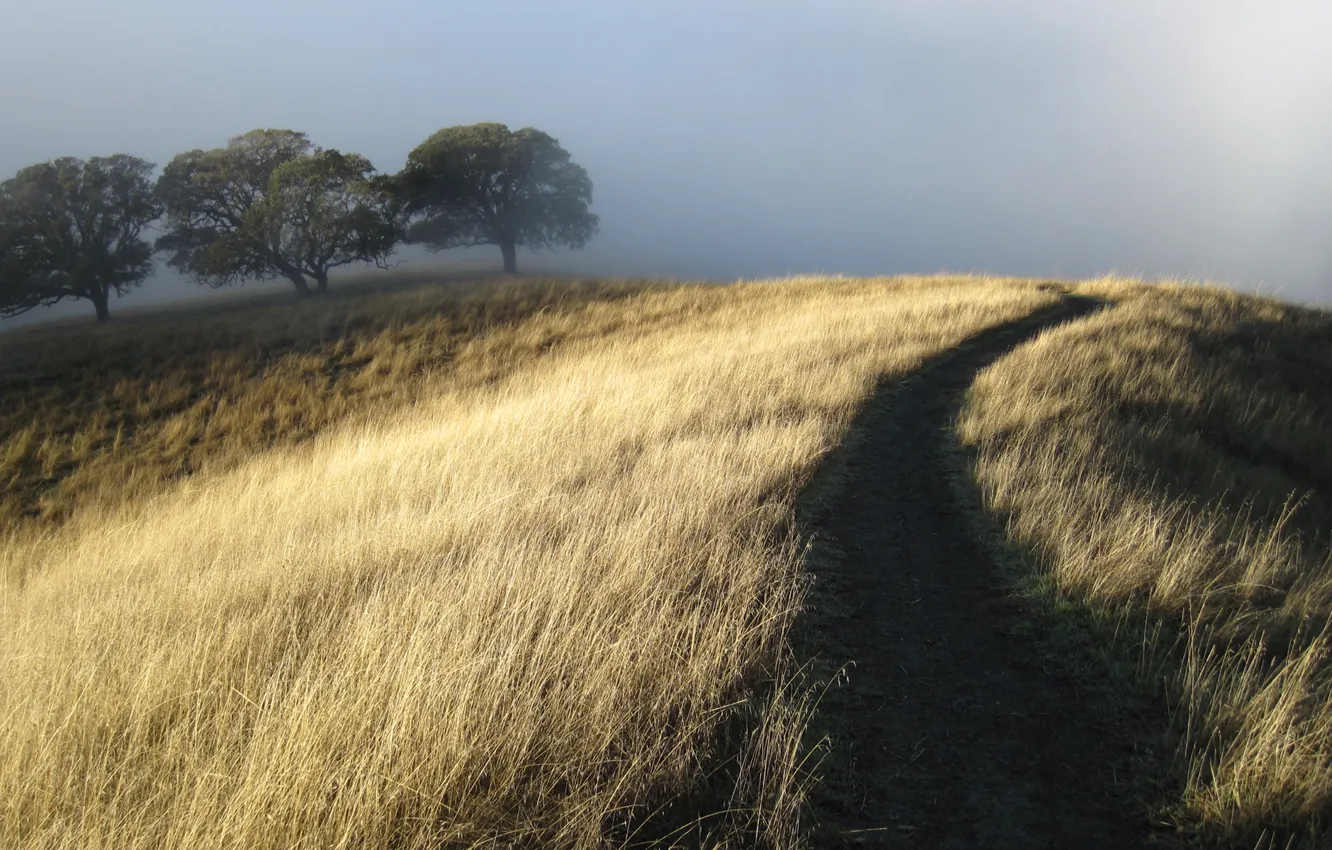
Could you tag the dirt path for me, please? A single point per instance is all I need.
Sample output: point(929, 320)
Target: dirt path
point(948, 732)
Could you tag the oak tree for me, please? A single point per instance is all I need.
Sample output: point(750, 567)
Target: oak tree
point(272, 205)
point(73, 229)
point(486, 185)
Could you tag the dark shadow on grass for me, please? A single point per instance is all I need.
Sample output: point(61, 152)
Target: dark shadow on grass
point(946, 729)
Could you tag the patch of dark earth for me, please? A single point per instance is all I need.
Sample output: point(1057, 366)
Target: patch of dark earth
point(947, 727)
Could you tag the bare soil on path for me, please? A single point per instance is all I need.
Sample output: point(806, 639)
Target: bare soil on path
point(947, 729)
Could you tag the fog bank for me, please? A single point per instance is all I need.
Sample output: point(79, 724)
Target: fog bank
point(745, 139)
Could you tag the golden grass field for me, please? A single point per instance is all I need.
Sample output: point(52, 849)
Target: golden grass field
point(104, 414)
point(511, 567)
point(1169, 462)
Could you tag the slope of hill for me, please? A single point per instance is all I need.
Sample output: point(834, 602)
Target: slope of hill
point(96, 415)
point(1168, 463)
point(516, 571)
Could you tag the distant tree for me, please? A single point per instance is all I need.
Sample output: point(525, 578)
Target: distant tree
point(484, 185)
point(270, 204)
point(71, 229)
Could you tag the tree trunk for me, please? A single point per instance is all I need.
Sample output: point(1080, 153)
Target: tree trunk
point(321, 283)
point(99, 298)
point(298, 280)
point(510, 252)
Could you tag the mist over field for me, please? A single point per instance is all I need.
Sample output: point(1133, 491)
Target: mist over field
point(745, 139)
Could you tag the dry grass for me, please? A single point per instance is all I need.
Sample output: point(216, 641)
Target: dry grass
point(105, 414)
point(1168, 460)
point(548, 608)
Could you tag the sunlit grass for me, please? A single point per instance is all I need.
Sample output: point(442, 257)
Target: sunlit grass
point(95, 415)
point(543, 603)
point(1169, 458)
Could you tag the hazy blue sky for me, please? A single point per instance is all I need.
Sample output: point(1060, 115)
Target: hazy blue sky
point(1034, 137)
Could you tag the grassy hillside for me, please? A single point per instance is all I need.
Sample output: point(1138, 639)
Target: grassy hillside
point(507, 568)
point(1169, 462)
point(95, 416)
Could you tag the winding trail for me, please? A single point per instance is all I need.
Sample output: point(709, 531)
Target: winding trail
point(947, 732)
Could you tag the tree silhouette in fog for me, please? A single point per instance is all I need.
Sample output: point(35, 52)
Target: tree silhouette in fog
point(272, 205)
point(72, 229)
point(486, 185)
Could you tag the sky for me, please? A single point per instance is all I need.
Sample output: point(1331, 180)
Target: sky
point(729, 139)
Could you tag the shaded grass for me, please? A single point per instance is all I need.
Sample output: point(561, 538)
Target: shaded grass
point(1167, 462)
point(102, 415)
point(542, 604)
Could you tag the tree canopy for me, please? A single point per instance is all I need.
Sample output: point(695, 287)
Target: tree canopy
point(72, 229)
point(486, 185)
point(270, 204)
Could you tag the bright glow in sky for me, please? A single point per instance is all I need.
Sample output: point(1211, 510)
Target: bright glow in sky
point(725, 139)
